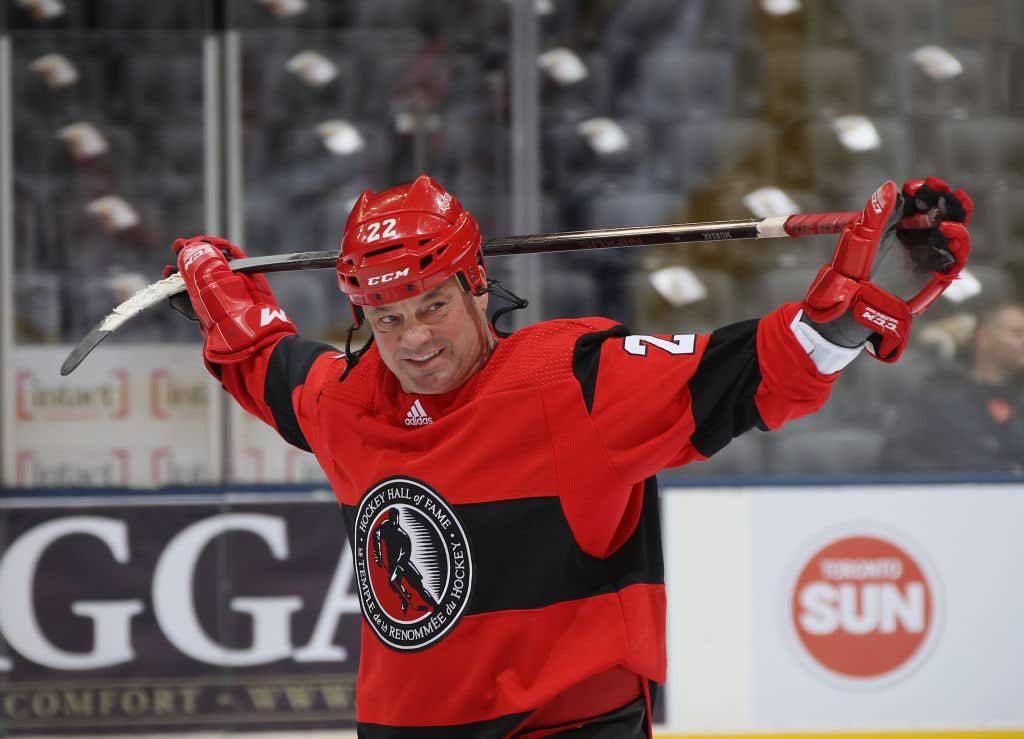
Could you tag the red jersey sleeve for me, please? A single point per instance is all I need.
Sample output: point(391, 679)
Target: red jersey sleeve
point(663, 401)
point(279, 385)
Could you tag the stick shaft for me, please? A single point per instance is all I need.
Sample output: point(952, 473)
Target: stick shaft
point(609, 238)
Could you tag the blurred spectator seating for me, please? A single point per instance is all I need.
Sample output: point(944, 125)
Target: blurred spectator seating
point(21, 16)
point(997, 285)
point(966, 415)
point(1009, 219)
point(574, 166)
point(727, 24)
point(869, 390)
point(293, 160)
point(739, 149)
point(175, 148)
point(814, 81)
point(468, 151)
point(780, 285)
point(40, 154)
point(253, 14)
point(839, 450)
point(310, 301)
point(971, 91)
point(683, 312)
point(179, 14)
point(639, 19)
point(984, 21)
point(577, 100)
point(273, 92)
point(1015, 62)
point(617, 208)
point(744, 455)
point(566, 290)
point(37, 300)
point(492, 210)
point(983, 150)
point(39, 94)
point(163, 85)
point(880, 25)
point(677, 83)
point(833, 165)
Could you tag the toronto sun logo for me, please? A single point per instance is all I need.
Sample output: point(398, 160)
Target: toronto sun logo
point(414, 569)
point(864, 609)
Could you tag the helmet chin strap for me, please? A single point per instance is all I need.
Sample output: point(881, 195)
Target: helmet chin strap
point(516, 303)
point(352, 357)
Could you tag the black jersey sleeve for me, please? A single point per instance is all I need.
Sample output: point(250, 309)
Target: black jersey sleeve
point(287, 369)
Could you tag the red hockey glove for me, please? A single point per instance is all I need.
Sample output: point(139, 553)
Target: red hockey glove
point(238, 313)
point(890, 265)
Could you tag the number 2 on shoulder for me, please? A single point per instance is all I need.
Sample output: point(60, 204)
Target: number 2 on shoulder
point(679, 344)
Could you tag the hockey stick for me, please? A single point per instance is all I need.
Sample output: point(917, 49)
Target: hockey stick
point(751, 228)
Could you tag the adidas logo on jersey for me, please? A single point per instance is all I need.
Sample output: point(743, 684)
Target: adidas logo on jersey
point(417, 416)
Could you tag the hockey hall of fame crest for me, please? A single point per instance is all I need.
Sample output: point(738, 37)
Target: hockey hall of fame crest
point(413, 566)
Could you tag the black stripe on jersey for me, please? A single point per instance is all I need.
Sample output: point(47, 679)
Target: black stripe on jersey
point(495, 728)
point(525, 555)
point(586, 357)
point(287, 369)
point(722, 389)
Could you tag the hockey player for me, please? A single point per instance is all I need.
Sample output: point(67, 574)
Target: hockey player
point(523, 467)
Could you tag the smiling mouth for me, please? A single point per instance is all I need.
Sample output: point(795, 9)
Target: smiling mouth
point(424, 358)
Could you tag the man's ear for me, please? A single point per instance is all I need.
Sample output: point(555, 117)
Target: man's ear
point(481, 299)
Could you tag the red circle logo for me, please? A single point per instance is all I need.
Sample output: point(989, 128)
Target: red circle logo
point(863, 607)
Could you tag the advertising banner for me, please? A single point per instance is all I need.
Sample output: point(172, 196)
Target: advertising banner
point(185, 615)
point(260, 456)
point(140, 416)
point(882, 607)
point(833, 610)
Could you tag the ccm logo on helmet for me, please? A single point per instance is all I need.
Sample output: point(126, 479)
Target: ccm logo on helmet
point(880, 319)
point(387, 277)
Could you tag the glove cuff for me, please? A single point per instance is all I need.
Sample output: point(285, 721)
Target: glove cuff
point(829, 358)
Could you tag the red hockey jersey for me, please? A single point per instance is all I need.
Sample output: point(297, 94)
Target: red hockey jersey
point(505, 535)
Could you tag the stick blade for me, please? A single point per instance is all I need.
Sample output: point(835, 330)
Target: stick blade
point(140, 301)
point(82, 349)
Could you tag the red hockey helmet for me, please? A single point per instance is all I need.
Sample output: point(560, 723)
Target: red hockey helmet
point(405, 241)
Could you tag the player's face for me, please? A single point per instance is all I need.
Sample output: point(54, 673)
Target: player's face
point(433, 342)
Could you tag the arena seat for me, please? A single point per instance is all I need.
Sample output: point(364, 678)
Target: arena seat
point(704, 150)
point(984, 150)
point(810, 81)
point(744, 455)
point(678, 83)
point(839, 450)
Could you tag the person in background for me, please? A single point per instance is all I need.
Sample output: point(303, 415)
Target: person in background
point(510, 480)
point(968, 416)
